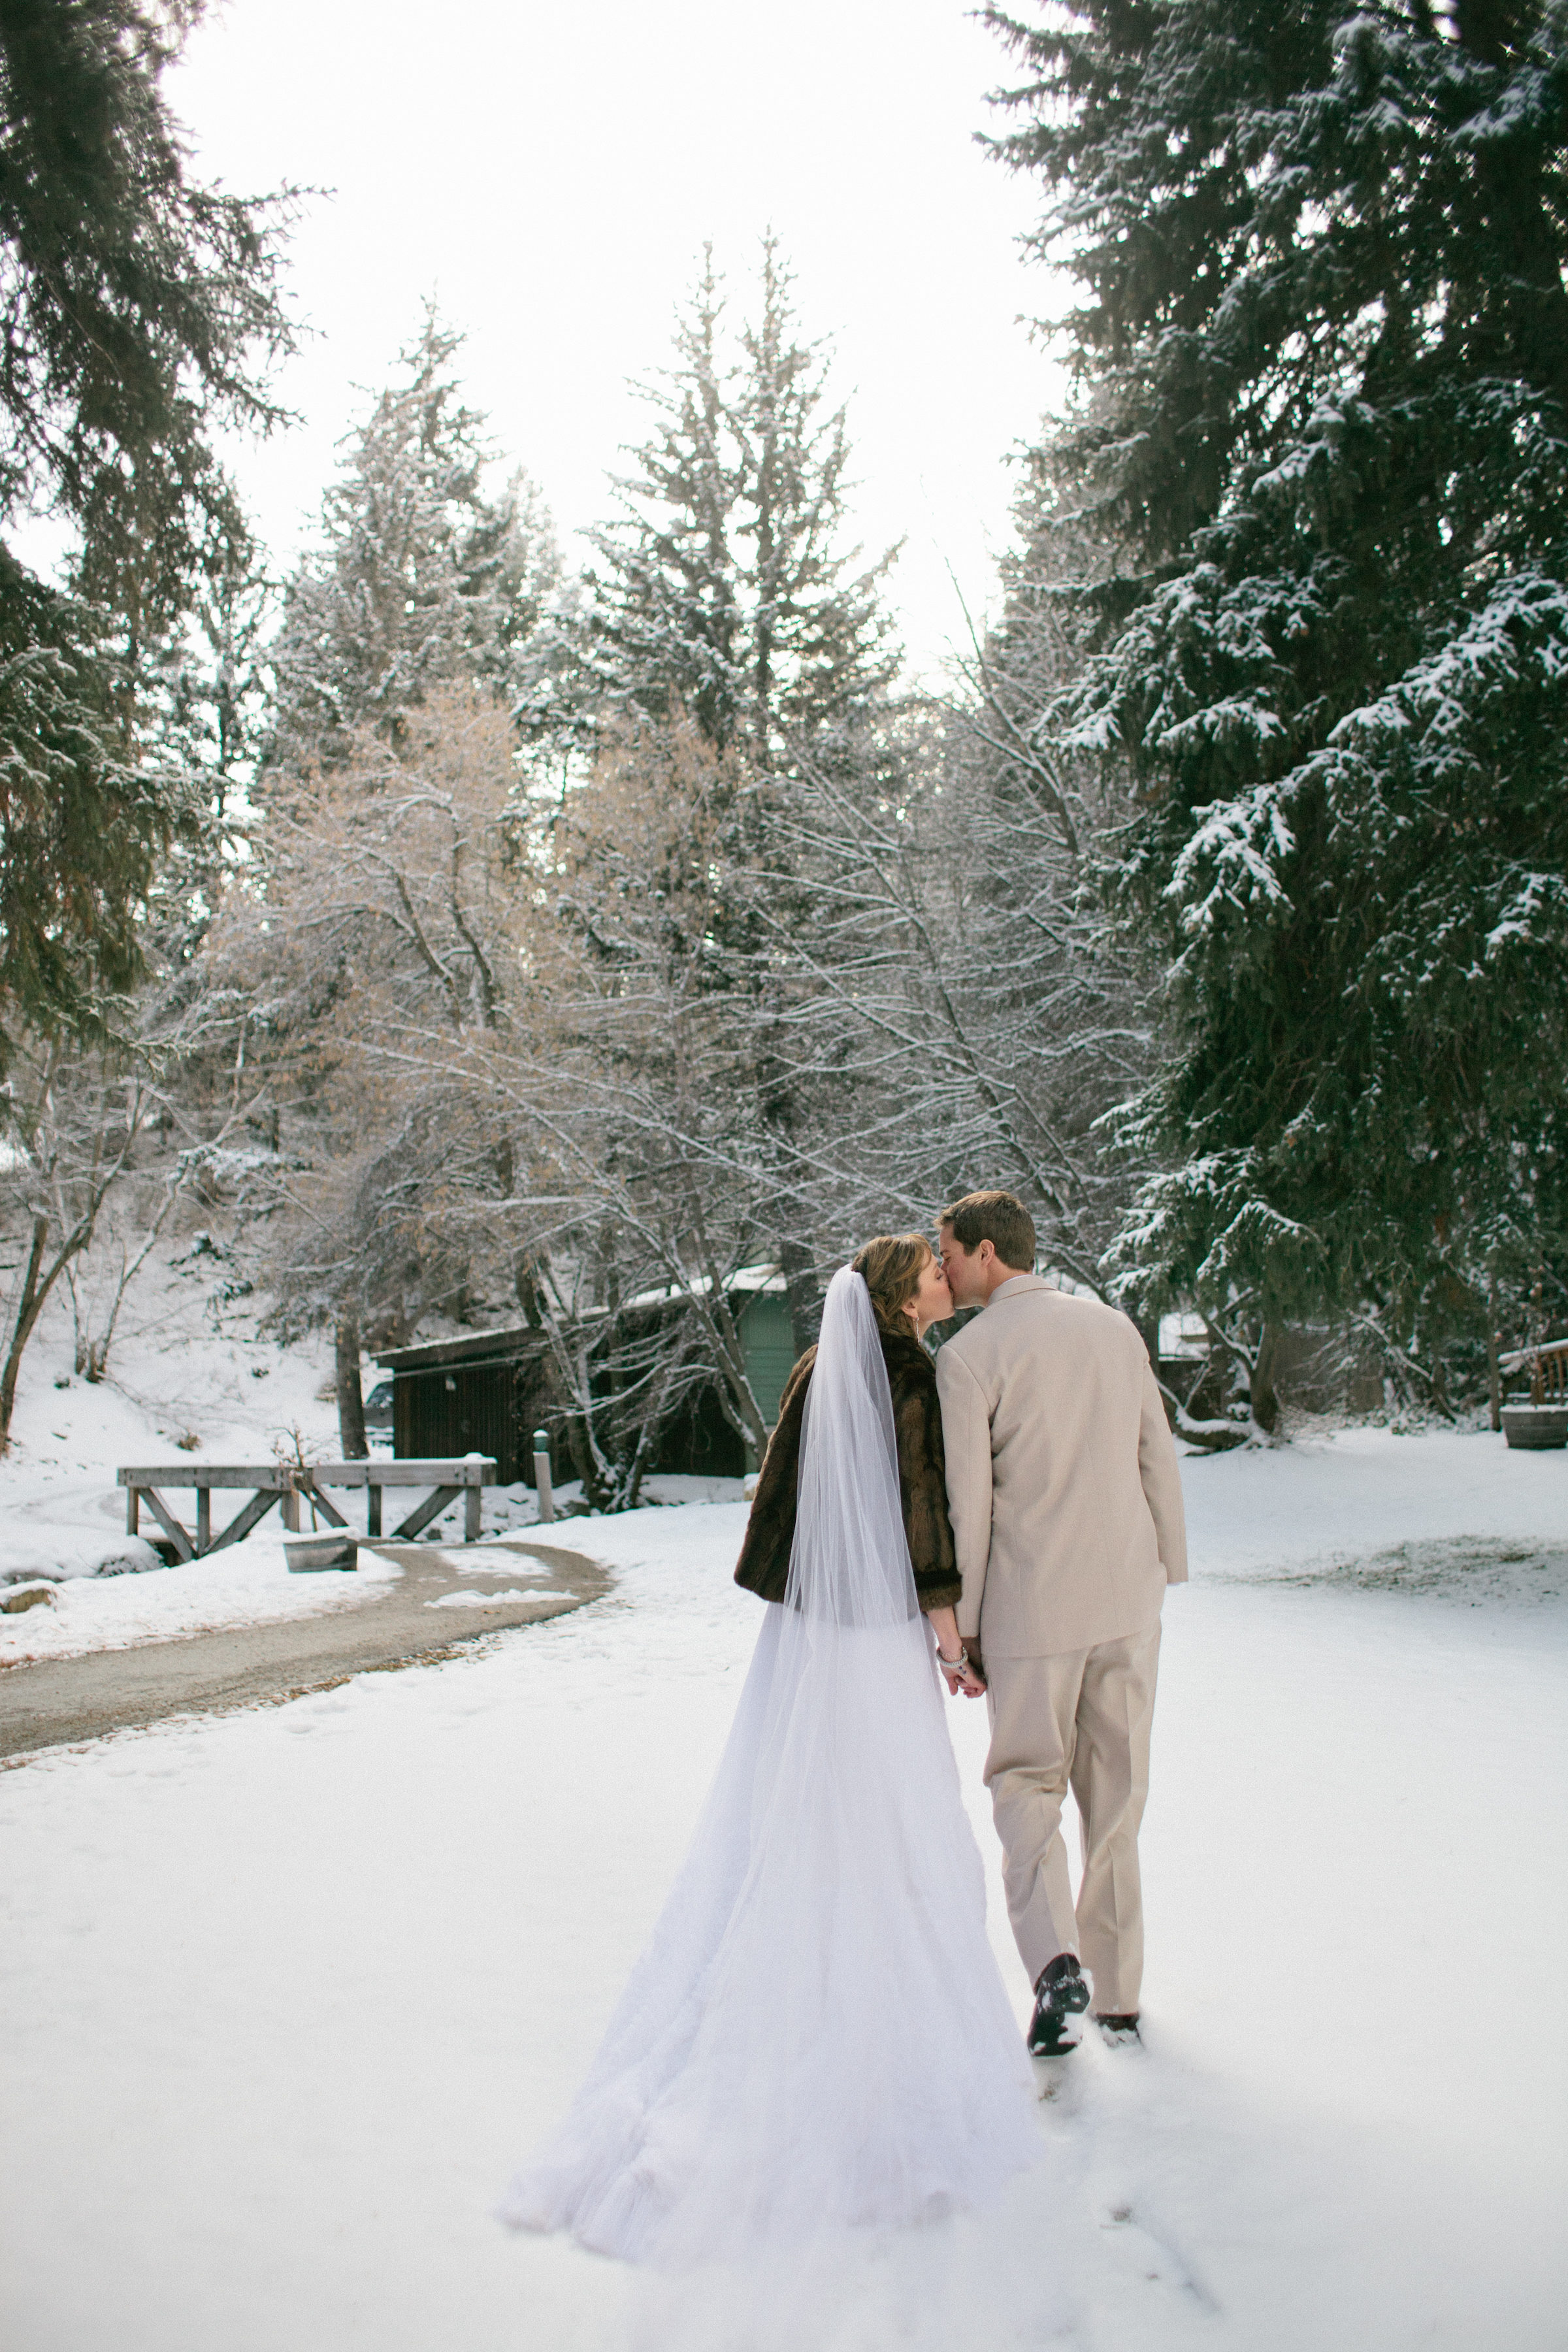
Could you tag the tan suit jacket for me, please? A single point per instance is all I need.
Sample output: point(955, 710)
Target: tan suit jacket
point(1062, 1478)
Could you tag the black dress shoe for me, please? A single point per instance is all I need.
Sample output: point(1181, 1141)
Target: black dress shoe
point(1121, 2032)
point(1061, 1997)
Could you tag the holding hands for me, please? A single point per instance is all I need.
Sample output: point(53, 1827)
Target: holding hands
point(960, 1670)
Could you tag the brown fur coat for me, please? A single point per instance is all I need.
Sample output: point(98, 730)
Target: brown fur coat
point(764, 1565)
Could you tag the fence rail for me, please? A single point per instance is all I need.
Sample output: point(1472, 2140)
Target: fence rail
point(1548, 1362)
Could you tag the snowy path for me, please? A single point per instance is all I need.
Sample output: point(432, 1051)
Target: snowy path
point(287, 1993)
point(372, 1622)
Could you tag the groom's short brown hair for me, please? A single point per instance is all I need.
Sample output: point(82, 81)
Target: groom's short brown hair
point(999, 1218)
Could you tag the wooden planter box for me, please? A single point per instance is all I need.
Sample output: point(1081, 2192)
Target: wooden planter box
point(312, 1552)
point(1533, 1427)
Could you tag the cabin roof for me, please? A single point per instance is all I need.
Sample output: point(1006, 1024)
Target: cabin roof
point(514, 1342)
point(509, 1342)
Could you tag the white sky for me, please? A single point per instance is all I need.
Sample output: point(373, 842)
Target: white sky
point(550, 172)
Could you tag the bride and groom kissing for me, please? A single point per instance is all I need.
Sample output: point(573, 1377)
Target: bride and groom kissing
point(816, 2035)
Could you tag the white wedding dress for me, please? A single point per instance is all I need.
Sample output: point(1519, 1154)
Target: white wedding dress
point(817, 2034)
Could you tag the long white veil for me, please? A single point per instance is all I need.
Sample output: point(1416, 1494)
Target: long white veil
point(849, 1568)
point(816, 2035)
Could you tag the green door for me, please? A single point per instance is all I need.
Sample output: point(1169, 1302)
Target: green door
point(769, 1343)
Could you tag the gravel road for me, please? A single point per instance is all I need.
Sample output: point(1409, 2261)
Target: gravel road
point(60, 1700)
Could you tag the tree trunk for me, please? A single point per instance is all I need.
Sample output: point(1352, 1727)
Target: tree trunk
point(582, 1451)
point(96, 1351)
point(1494, 1375)
point(804, 1298)
point(525, 1282)
point(1265, 1403)
point(29, 1304)
point(350, 1396)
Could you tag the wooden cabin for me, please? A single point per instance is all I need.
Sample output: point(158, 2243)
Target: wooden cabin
point(488, 1392)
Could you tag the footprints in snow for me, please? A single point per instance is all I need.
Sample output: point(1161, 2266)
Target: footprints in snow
point(1139, 2248)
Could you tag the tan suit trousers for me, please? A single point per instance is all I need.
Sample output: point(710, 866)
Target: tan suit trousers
point(1080, 1719)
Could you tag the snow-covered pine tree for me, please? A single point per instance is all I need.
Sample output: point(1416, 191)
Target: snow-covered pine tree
point(665, 628)
point(818, 637)
point(138, 307)
point(727, 587)
point(421, 579)
point(1325, 332)
point(205, 717)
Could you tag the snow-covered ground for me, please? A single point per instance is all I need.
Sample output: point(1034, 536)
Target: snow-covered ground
point(251, 1583)
point(286, 1994)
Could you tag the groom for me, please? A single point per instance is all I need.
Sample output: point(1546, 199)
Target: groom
point(1067, 1509)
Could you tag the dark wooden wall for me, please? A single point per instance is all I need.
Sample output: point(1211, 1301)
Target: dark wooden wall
point(467, 1409)
point(495, 1408)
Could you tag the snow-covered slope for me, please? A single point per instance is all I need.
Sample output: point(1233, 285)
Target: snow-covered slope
point(188, 1373)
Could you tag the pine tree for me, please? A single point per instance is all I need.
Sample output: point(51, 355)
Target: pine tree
point(80, 822)
point(206, 717)
point(136, 305)
point(726, 585)
point(666, 628)
point(818, 639)
point(422, 581)
point(1324, 338)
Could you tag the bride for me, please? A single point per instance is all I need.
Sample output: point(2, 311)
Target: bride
point(817, 2034)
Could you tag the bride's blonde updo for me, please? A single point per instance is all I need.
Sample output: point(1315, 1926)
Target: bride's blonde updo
point(891, 1266)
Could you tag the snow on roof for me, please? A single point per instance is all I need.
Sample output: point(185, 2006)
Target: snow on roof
point(753, 1279)
point(466, 1346)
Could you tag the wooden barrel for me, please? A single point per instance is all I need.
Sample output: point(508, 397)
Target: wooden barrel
point(1536, 1427)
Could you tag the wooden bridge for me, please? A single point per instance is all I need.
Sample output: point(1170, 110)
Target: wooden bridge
point(287, 1484)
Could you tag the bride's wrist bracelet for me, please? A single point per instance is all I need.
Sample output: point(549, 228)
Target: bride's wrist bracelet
point(953, 1665)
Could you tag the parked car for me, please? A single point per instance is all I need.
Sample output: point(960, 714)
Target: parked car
point(378, 1410)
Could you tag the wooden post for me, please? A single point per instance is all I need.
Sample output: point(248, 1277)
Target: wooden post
point(204, 1519)
point(541, 1486)
point(289, 1511)
point(472, 1500)
point(373, 1510)
point(132, 1511)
